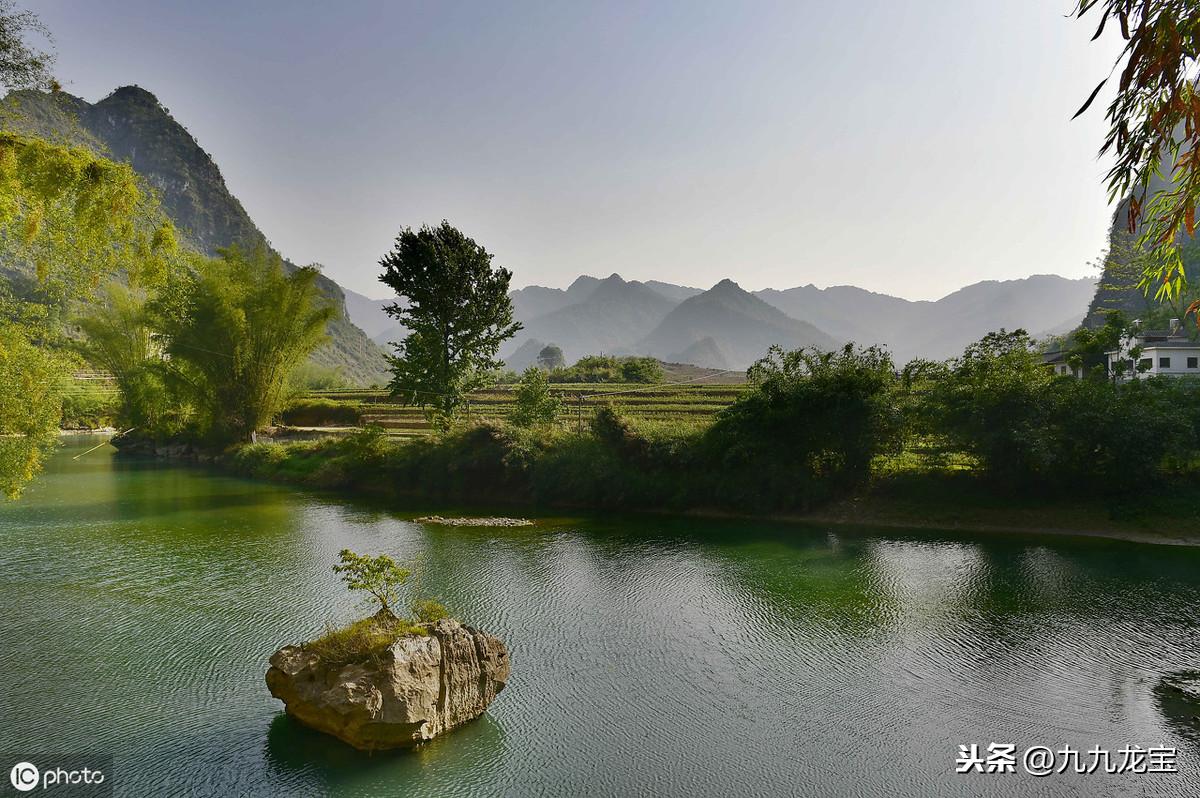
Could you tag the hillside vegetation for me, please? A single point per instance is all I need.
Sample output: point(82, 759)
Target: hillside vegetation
point(130, 125)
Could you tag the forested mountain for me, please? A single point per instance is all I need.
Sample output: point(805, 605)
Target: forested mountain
point(131, 125)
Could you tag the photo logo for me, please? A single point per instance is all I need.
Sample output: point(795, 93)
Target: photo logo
point(24, 776)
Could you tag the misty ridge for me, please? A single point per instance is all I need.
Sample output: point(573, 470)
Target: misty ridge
point(723, 327)
point(727, 327)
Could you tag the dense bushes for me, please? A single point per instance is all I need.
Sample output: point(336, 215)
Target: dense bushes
point(815, 425)
point(605, 368)
point(991, 402)
point(814, 422)
point(809, 430)
point(1031, 429)
point(87, 407)
point(321, 413)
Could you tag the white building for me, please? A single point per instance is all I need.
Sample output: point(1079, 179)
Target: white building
point(1153, 353)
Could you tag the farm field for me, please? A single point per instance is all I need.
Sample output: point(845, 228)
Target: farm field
point(649, 402)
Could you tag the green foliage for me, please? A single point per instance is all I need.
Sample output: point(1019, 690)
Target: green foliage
point(535, 405)
point(1090, 347)
point(22, 66)
point(381, 576)
point(309, 376)
point(812, 426)
point(362, 642)
point(30, 406)
point(429, 611)
point(1030, 429)
point(321, 413)
point(551, 357)
point(68, 217)
point(89, 407)
point(991, 404)
point(118, 339)
point(1101, 437)
point(234, 329)
point(1154, 136)
point(458, 314)
point(606, 368)
point(812, 417)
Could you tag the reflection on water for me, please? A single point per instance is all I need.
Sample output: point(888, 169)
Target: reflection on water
point(651, 656)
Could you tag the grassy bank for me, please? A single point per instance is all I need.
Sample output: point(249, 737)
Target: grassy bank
point(648, 467)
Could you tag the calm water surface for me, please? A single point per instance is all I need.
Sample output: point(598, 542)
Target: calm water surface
point(670, 657)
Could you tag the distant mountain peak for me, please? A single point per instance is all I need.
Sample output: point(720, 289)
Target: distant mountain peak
point(582, 281)
point(133, 93)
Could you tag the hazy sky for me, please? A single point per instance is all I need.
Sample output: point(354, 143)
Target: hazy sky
point(907, 147)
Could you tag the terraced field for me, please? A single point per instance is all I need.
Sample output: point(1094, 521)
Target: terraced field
point(654, 402)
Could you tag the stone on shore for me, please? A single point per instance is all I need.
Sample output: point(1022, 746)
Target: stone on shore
point(421, 686)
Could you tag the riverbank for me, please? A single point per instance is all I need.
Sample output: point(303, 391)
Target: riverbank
point(491, 467)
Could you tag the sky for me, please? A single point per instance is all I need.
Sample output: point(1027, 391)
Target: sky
point(908, 147)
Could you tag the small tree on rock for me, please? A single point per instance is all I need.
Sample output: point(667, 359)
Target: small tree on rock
point(381, 577)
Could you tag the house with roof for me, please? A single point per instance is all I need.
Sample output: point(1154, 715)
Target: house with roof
point(1156, 353)
point(1056, 361)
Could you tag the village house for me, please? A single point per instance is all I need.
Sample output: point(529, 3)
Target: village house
point(1162, 353)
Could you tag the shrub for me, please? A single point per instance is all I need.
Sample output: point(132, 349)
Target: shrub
point(551, 357)
point(88, 407)
point(641, 369)
point(380, 577)
point(309, 376)
point(429, 611)
point(606, 368)
point(321, 413)
point(361, 642)
point(812, 421)
point(992, 403)
point(535, 406)
point(1112, 438)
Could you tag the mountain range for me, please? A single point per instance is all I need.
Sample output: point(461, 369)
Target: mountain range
point(723, 327)
point(729, 327)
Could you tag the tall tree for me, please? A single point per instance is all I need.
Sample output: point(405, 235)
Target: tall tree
point(1154, 128)
point(234, 330)
point(458, 314)
point(23, 65)
point(551, 357)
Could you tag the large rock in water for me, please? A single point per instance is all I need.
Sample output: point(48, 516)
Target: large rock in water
point(421, 686)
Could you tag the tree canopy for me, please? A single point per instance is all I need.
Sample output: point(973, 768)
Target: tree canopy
point(1154, 127)
point(234, 328)
point(23, 65)
point(458, 314)
point(380, 577)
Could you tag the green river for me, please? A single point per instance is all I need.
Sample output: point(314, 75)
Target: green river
point(651, 656)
